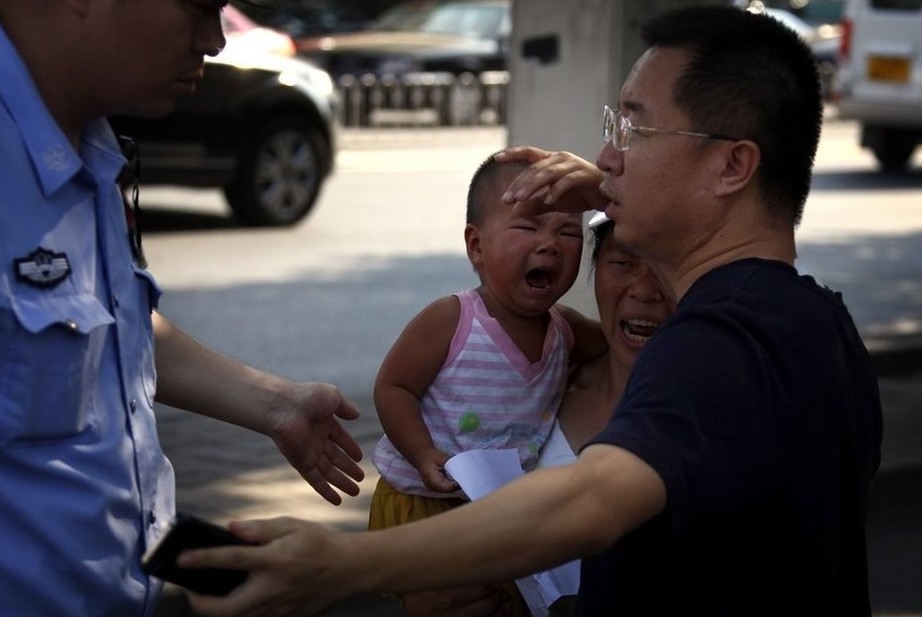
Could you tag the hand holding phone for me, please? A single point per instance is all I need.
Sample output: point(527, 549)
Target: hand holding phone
point(188, 532)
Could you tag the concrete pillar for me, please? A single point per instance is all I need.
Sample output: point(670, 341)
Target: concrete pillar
point(568, 58)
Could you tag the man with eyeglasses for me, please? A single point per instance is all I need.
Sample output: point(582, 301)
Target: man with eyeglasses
point(733, 477)
point(84, 485)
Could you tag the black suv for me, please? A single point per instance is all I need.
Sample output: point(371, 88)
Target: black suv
point(260, 126)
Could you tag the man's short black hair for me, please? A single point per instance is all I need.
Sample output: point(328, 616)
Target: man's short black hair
point(753, 78)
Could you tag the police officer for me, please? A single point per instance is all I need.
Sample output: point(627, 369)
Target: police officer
point(84, 486)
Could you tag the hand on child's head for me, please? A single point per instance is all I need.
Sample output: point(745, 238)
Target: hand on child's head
point(537, 204)
point(572, 202)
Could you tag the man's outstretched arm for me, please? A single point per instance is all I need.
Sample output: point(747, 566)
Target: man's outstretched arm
point(544, 519)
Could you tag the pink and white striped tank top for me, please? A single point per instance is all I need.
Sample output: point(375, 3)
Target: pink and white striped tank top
point(487, 395)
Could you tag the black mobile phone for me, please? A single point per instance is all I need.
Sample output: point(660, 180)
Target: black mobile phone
point(189, 532)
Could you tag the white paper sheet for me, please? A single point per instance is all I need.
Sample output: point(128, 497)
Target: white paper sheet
point(479, 473)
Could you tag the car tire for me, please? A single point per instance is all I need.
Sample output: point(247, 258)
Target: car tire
point(279, 173)
point(893, 149)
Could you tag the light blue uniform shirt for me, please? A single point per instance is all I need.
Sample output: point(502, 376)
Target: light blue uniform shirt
point(84, 485)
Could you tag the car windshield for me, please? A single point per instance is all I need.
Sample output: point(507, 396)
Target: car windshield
point(472, 20)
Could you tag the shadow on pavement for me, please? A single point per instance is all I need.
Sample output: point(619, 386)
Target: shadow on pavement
point(870, 180)
point(330, 328)
point(879, 276)
point(158, 220)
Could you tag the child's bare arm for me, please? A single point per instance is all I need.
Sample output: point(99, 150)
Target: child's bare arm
point(407, 371)
point(588, 339)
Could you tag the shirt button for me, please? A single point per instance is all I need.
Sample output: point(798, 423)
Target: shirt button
point(133, 405)
point(72, 325)
point(115, 300)
point(151, 518)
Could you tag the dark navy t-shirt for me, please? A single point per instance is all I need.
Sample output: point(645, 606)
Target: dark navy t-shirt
point(757, 405)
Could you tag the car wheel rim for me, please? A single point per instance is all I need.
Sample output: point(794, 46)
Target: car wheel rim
point(286, 174)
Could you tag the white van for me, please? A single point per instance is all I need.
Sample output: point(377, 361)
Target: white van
point(879, 80)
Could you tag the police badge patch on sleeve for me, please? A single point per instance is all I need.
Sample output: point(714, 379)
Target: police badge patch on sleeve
point(42, 268)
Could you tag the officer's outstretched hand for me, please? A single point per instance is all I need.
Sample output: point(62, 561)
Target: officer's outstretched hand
point(308, 432)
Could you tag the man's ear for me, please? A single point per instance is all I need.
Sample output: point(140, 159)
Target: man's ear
point(473, 244)
point(741, 161)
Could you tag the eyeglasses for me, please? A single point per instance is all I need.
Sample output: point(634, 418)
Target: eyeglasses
point(618, 128)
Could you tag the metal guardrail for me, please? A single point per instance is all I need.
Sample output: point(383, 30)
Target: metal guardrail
point(423, 99)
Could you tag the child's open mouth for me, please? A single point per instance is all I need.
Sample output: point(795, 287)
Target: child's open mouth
point(539, 278)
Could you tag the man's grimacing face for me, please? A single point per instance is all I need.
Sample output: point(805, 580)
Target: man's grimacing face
point(630, 299)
